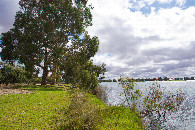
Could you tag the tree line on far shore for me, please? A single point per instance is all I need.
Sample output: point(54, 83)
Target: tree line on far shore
point(150, 79)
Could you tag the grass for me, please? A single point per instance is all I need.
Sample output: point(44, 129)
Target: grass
point(54, 107)
point(175, 80)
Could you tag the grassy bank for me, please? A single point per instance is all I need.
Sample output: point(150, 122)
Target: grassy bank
point(54, 107)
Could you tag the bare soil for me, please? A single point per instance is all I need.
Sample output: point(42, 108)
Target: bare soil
point(7, 90)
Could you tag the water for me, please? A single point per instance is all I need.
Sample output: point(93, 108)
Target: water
point(184, 119)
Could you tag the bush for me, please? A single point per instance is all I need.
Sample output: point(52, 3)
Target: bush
point(155, 105)
point(10, 74)
point(84, 76)
point(129, 91)
point(81, 114)
point(159, 103)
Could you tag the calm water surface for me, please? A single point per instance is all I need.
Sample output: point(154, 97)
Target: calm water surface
point(183, 119)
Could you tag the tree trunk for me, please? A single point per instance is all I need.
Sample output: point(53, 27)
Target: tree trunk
point(45, 69)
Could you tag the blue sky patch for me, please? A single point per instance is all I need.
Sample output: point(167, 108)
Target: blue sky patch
point(190, 3)
point(146, 9)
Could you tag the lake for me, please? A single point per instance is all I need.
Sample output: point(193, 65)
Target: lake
point(183, 119)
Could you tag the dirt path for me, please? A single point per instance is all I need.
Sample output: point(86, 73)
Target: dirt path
point(6, 90)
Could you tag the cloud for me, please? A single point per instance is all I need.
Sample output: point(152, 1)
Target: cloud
point(181, 2)
point(183, 53)
point(157, 44)
point(8, 10)
point(149, 2)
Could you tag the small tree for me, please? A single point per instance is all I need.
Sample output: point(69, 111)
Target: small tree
point(114, 80)
point(10, 74)
point(156, 105)
point(131, 95)
point(84, 76)
point(78, 67)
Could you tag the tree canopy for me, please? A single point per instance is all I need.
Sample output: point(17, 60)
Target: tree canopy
point(51, 36)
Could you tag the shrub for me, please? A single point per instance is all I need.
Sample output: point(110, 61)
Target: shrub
point(156, 104)
point(10, 74)
point(129, 92)
point(81, 114)
point(84, 76)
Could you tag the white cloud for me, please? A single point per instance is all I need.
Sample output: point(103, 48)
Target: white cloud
point(180, 2)
point(125, 35)
point(149, 2)
point(110, 61)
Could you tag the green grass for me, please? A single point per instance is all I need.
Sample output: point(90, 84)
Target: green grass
point(33, 110)
point(175, 80)
point(54, 107)
point(115, 117)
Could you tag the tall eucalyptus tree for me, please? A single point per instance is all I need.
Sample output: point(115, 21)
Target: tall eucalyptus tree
point(42, 29)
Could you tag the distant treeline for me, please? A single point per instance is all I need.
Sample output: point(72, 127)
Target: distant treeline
point(149, 79)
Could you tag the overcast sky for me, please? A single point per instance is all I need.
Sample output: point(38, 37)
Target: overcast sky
point(138, 38)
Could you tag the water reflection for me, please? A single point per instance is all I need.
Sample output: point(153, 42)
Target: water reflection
point(183, 119)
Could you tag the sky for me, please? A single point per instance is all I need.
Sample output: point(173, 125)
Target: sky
point(138, 38)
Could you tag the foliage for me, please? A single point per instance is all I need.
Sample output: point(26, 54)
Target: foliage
point(81, 114)
point(155, 105)
point(10, 74)
point(78, 68)
point(114, 80)
point(35, 80)
point(129, 91)
point(85, 76)
point(158, 103)
point(41, 33)
point(8, 46)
